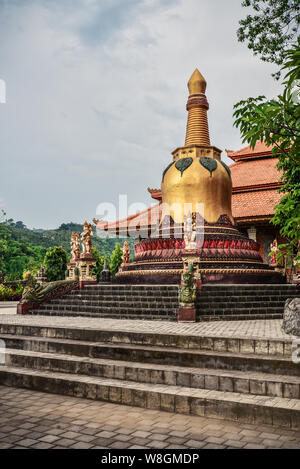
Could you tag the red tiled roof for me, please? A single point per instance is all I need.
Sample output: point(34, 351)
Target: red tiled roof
point(148, 217)
point(254, 190)
point(254, 203)
point(254, 173)
point(260, 149)
point(249, 204)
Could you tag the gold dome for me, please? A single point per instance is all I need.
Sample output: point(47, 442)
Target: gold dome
point(195, 181)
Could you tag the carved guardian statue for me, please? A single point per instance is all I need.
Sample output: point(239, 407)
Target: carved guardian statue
point(188, 289)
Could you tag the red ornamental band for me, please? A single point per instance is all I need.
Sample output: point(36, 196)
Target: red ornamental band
point(218, 248)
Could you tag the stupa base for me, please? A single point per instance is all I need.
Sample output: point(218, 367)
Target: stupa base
point(170, 275)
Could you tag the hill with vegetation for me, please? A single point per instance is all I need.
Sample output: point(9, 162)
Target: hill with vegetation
point(24, 249)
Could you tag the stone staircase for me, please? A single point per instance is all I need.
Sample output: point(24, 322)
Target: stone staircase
point(235, 302)
point(117, 301)
point(214, 302)
point(240, 379)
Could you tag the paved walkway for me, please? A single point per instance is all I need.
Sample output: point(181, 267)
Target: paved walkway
point(267, 329)
point(31, 419)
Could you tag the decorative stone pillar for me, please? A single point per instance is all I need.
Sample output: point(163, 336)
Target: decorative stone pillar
point(187, 295)
point(193, 258)
point(105, 274)
point(125, 256)
point(85, 266)
point(41, 276)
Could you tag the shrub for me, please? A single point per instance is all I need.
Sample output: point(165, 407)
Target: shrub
point(55, 263)
point(116, 259)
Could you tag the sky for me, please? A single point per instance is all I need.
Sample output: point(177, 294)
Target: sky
point(96, 93)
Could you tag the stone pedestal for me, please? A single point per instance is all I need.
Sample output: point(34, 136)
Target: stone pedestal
point(71, 270)
point(24, 308)
point(81, 270)
point(85, 265)
point(186, 314)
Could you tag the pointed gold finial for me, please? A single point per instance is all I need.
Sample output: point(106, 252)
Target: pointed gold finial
point(197, 132)
point(197, 83)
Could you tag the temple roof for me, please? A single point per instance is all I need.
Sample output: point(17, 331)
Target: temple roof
point(254, 196)
point(255, 173)
point(260, 149)
point(247, 206)
point(142, 220)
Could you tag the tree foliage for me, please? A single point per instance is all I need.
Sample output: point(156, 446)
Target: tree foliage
point(17, 255)
point(55, 263)
point(271, 29)
point(277, 122)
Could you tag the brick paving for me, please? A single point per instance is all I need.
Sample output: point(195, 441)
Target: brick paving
point(31, 419)
point(268, 328)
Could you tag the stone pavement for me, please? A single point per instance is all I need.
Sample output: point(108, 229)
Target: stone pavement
point(31, 419)
point(264, 329)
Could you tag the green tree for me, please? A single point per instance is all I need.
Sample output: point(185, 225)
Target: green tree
point(271, 29)
point(55, 263)
point(99, 264)
point(277, 122)
point(116, 259)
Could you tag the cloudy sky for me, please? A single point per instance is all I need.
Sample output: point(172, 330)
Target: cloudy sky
point(96, 94)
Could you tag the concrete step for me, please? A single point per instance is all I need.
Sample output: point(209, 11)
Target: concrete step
point(124, 303)
point(238, 317)
point(238, 304)
point(244, 310)
point(209, 343)
point(107, 309)
point(111, 315)
point(161, 311)
point(167, 302)
point(207, 298)
point(247, 287)
point(154, 299)
point(131, 288)
point(208, 403)
point(156, 355)
point(243, 382)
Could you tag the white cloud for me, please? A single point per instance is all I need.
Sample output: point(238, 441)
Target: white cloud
point(96, 95)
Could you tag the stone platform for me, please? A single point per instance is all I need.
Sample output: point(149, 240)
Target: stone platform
point(240, 371)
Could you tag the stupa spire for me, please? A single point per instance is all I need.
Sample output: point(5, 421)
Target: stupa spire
point(197, 132)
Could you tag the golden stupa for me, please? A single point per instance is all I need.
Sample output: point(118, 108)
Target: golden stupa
point(195, 215)
point(197, 175)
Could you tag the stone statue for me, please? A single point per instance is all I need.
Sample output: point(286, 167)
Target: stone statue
point(105, 274)
point(35, 292)
point(189, 232)
point(32, 290)
point(188, 288)
point(274, 250)
point(86, 240)
point(75, 246)
point(41, 276)
point(126, 253)
point(291, 317)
